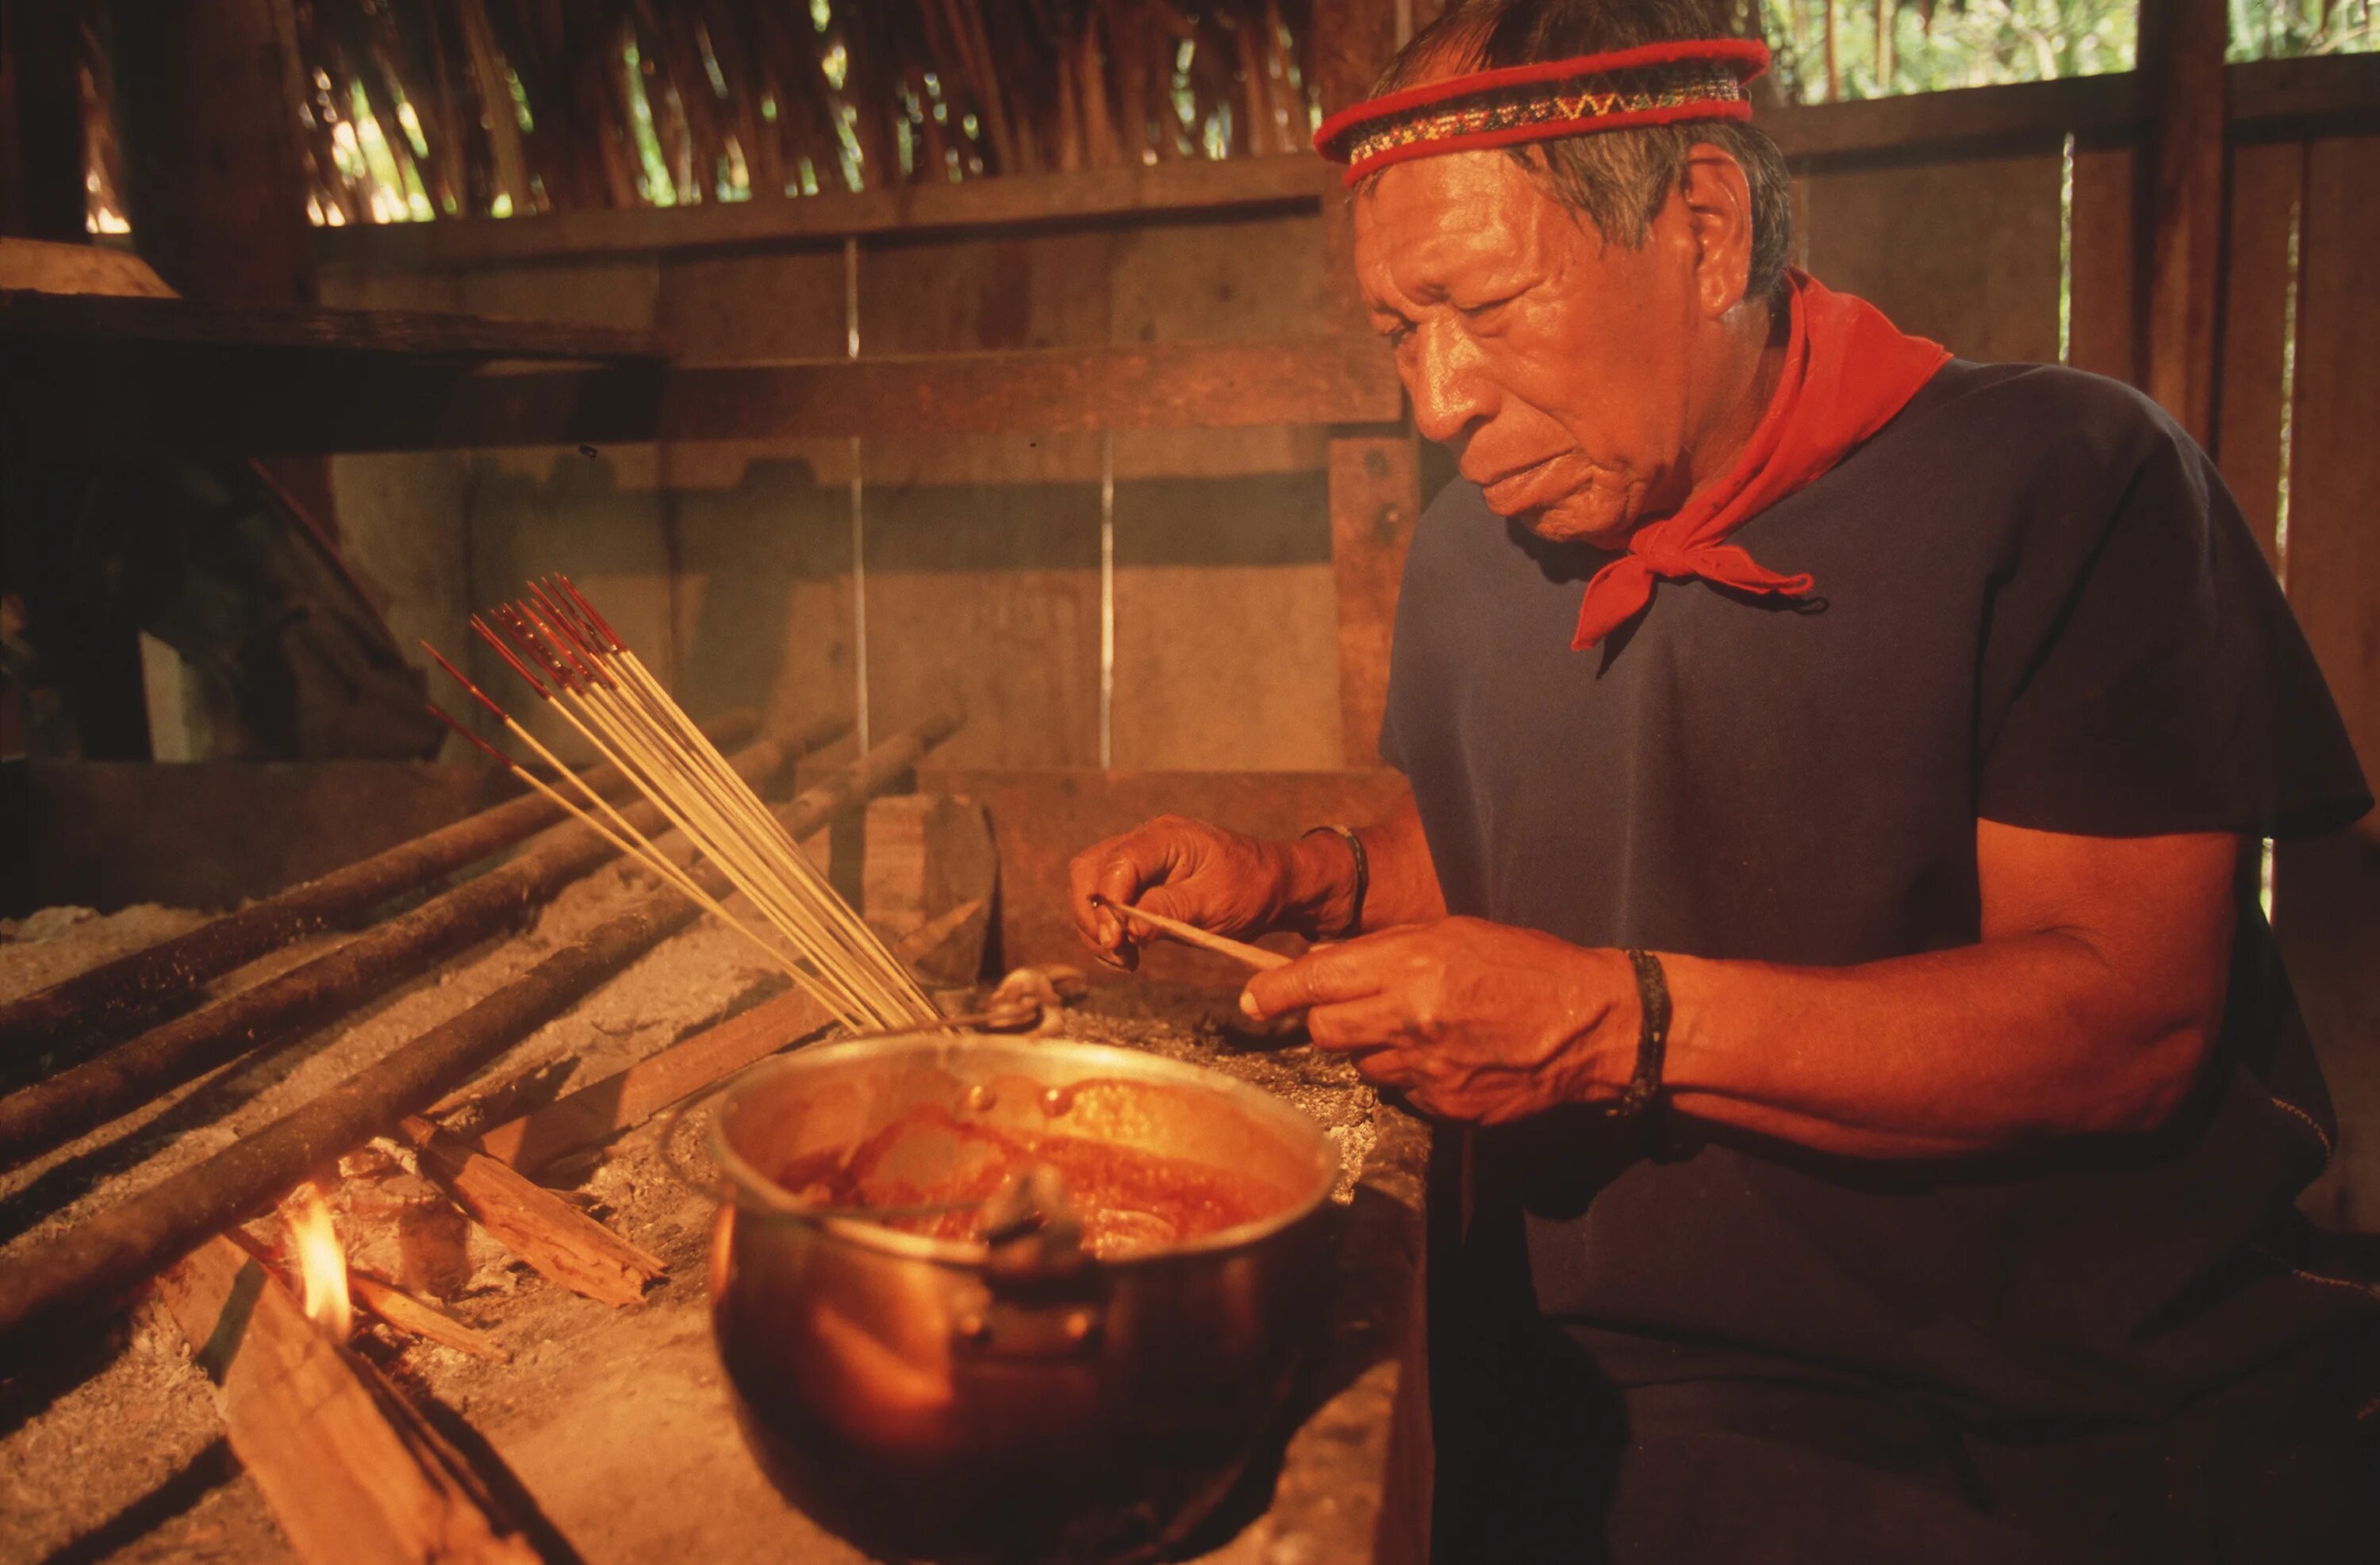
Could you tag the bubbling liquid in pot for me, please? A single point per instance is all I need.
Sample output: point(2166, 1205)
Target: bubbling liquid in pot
point(1129, 1202)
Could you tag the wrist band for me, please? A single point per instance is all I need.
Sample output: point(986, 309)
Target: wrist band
point(1363, 874)
point(1652, 1036)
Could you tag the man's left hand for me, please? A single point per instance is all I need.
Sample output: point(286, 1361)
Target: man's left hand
point(1472, 1021)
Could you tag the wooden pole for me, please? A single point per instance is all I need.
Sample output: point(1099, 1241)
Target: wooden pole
point(2183, 45)
point(214, 174)
point(55, 1281)
point(53, 1111)
point(1374, 470)
point(43, 161)
point(141, 982)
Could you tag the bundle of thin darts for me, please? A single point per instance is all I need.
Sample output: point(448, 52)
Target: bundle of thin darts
point(577, 664)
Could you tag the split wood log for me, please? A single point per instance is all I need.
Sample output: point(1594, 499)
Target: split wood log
point(120, 1247)
point(565, 1244)
point(417, 1317)
point(602, 1109)
point(353, 1474)
point(49, 1113)
point(143, 981)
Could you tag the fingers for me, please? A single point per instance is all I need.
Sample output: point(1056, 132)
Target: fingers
point(1121, 870)
point(1324, 976)
point(1376, 1022)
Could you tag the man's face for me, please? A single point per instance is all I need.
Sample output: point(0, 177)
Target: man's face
point(1555, 365)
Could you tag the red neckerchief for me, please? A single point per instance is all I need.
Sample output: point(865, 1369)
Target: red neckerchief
point(1847, 372)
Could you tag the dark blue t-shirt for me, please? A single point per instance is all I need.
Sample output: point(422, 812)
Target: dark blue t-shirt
point(2038, 605)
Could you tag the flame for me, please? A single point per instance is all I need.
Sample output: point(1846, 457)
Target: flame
point(321, 1263)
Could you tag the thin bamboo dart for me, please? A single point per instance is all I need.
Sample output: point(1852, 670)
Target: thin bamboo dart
point(585, 640)
point(568, 653)
point(841, 1004)
point(612, 698)
point(638, 847)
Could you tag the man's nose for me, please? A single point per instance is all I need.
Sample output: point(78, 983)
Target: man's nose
point(1448, 393)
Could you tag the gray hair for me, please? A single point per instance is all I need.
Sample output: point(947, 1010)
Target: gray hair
point(1617, 180)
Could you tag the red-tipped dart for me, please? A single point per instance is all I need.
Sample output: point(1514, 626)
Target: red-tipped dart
point(493, 639)
point(477, 694)
point(561, 619)
point(551, 591)
point(602, 624)
point(530, 643)
point(567, 644)
point(442, 715)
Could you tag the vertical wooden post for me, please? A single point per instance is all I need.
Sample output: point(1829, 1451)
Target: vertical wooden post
point(214, 182)
point(1374, 470)
point(41, 167)
point(2182, 43)
point(1375, 499)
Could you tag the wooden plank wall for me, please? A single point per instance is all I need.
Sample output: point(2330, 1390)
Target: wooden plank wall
point(2327, 894)
point(982, 554)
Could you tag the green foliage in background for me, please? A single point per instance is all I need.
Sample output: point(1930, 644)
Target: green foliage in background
point(1884, 47)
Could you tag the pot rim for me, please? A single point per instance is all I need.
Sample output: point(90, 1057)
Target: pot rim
point(777, 1202)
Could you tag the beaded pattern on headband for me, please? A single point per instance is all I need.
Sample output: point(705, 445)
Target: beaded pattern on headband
point(1657, 84)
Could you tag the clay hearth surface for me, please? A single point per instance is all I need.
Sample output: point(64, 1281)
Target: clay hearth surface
point(615, 1421)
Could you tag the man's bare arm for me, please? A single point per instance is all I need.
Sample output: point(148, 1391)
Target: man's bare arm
point(2088, 1006)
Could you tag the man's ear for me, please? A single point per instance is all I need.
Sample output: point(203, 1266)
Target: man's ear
point(1718, 214)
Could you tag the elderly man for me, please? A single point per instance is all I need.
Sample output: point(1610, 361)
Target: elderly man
point(1821, 916)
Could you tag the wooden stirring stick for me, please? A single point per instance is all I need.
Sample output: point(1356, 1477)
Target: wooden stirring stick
point(1255, 956)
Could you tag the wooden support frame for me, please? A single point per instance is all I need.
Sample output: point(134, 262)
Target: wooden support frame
point(1011, 201)
point(2181, 204)
point(78, 405)
point(1375, 473)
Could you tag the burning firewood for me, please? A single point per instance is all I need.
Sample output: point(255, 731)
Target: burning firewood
point(352, 1471)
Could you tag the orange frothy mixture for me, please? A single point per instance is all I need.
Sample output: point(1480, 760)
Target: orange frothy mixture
point(1129, 1202)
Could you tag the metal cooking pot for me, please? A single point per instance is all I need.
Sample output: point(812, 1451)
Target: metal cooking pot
point(955, 1399)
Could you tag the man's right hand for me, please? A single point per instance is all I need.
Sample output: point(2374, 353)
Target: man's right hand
point(1201, 874)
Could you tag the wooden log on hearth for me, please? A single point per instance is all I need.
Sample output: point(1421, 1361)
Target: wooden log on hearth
point(125, 1244)
point(49, 1113)
point(562, 1243)
point(353, 1474)
point(143, 981)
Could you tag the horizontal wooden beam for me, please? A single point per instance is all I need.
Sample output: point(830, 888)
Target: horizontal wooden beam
point(2267, 98)
point(274, 404)
point(75, 321)
point(1087, 194)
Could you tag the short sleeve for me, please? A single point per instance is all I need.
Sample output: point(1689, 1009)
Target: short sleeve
point(2142, 671)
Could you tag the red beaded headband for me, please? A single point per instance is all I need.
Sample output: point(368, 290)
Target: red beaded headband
point(1540, 101)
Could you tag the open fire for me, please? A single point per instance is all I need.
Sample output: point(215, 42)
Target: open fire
point(322, 1262)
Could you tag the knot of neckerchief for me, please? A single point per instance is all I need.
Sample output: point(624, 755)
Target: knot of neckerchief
point(1654, 84)
point(1847, 372)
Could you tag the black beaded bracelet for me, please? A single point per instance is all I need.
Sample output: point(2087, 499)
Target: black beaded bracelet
point(1652, 1036)
point(1363, 874)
